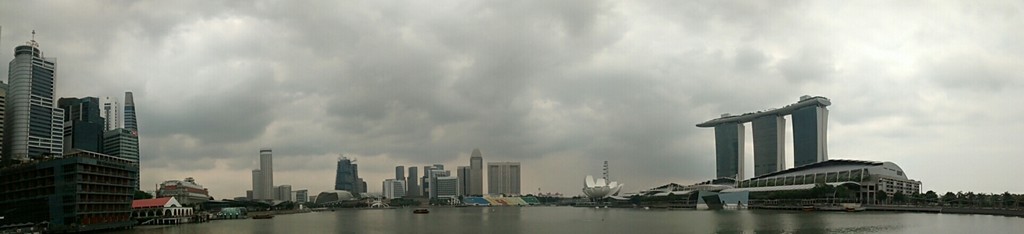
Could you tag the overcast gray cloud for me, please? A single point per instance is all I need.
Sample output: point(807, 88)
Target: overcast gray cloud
point(558, 85)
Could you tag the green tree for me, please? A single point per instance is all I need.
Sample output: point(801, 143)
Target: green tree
point(139, 194)
point(931, 196)
point(881, 196)
point(949, 198)
point(899, 197)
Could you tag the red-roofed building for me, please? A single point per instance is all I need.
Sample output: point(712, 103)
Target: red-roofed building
point(163, 210)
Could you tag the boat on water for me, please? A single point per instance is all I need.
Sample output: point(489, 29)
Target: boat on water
point(421, 211)
point(807, 208)
point(263, 216)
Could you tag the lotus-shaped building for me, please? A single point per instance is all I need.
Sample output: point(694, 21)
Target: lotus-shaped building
point(600, 188)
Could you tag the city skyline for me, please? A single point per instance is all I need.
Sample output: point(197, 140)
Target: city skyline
point(559, 90)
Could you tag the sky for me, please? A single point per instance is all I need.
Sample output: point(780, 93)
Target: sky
point(559, 86)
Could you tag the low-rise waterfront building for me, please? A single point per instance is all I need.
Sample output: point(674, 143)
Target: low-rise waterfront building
point(187, 191)
point(866, 177)
point(163, 210)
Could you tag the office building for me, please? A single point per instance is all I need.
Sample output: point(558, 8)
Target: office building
point(503, 178)
point(130, 121)
point(248, 195)
point(413, 189)
point(463, 173)
point(263, 178)
point(432, 180)
point(446, 187)
point(187, 191)
point(810, 120)
point(425, 182)
point(124, 144)
point(400, 173)
point(360, 185)
point(347, 176)
point(3, 106)
point(257, 185)
point(283, 192)
point(36, 194)
point(394, 188)
point(33, 127)
point(83, 126)
point(301, 196)
point(111, 114)
point(476, 173)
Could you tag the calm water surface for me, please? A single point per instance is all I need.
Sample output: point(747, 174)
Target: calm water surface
point(590, 220)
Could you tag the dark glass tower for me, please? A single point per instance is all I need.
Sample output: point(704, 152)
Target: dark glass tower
point(83, 128)
point(129, 112)
point(769, 144)
point(809, 136)
point(347, 176)
point(729, 150)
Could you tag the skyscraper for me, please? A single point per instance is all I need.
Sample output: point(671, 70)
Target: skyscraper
point(476, 173)
point(729, 150)
point(283, 192)
point(129, 112)
point(809, 135)
point(394, 188)
point(400, 173)
point(267, 173)
point(3, 105)
point(432, 176)
point(463, 180)
point(33, 128)
point(346, 177)
point(503, 178)
point(413, 183)
point(83, 126)
point(257, 185)
point(769, 144)
point(111, 114)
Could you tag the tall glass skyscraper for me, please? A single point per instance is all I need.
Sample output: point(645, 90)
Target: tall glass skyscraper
point(83, 128)
point(347, 176)
point(413, 182)
point(130, 121)
point(729, 150)
point(809, 135)
point(33, 128)
point(476, 173)
point(769, 144)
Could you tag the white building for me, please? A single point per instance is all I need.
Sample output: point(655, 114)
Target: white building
point(283, 192)
point(447, 187)
point(394, 188)
point(503, 178)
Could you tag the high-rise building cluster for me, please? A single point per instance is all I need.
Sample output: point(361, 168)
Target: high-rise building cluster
point(438, 183)
point(44, 136)
point(263, 188)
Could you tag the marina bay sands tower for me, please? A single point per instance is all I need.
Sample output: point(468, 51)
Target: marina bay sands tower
point(810, 120)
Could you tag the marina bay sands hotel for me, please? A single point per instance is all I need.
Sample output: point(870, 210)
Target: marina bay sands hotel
point(810, 119)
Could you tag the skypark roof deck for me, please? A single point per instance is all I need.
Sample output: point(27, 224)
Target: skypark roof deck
point(786, 110)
